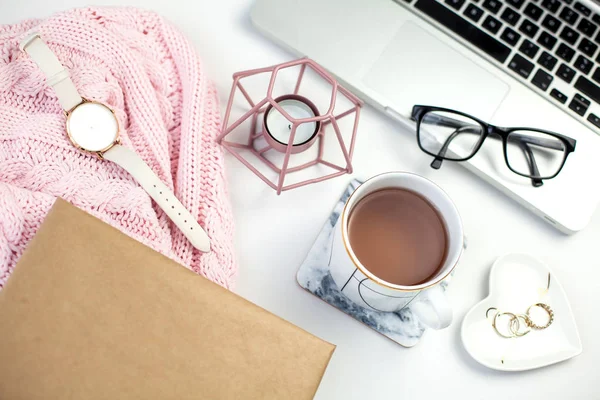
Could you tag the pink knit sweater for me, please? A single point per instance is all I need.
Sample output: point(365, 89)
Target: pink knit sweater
point(150, 75)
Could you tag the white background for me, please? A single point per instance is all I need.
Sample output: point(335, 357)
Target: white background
point(273, 235)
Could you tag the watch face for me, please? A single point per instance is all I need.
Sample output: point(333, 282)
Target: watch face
point(92, 126)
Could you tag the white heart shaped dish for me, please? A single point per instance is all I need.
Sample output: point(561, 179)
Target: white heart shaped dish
point(516, 282)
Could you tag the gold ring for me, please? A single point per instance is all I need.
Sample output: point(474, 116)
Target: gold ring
point(525, 319)
point(488, 311)
point(512, 321)
point(548, 310)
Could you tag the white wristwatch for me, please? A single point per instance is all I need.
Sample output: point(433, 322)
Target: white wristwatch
point(93, 127)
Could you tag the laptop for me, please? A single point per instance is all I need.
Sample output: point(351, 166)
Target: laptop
point(531, 63)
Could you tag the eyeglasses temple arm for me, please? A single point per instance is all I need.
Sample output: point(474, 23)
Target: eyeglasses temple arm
point(460, 127)
point(437, 161)
point(533, 168)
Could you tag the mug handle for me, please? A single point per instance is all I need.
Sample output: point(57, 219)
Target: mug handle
point(432, 308)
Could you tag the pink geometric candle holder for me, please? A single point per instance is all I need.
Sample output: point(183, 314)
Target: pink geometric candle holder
point(276, 129)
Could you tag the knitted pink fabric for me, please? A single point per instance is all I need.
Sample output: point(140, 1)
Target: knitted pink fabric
point(150, 75)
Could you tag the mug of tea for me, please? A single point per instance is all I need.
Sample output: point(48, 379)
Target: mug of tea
point(399, 236)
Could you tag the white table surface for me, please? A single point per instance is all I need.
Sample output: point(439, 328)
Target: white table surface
point(273, 235)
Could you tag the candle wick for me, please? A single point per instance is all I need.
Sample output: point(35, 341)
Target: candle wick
point(290, 127)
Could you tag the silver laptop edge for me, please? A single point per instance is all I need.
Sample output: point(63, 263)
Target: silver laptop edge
point(393, 58)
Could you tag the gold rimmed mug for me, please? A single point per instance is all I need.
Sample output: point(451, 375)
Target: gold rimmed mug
point(355, 281)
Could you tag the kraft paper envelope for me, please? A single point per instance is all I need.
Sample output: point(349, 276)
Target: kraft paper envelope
point(90, 313)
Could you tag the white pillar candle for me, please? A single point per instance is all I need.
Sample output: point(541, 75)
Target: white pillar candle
point(280, 128)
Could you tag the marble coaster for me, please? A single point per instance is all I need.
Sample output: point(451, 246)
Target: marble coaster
point(402, 327)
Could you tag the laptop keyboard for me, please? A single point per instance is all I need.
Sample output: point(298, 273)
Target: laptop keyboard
point(541, 41)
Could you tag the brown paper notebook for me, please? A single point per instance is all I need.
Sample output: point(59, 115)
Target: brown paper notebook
point(90, 313)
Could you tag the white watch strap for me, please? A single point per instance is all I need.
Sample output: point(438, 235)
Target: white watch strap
point(57, 75)
point(161, 194)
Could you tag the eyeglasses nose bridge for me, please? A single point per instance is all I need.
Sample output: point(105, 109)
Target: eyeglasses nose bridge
point(494, 130)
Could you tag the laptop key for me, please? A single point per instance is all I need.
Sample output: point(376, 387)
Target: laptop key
point(583, 64)
point(596, 75)
point(562, 98)
point(551, 5)
point(565, 52)
point(578, 107)
point(509, 36)
point(510, 16)
point(492, 24)
point(582, 9)
point(542, 79)
point(551, 23)
point(529, 49)
point(588, 87)
point(528, 28)
point(456, 4)
point(569, 15)
point(569, 35)
point(547, 40)
point(565, 73)
point(587, 47)
point(521, 66)
point(473, 12)
point(493, 6)
point(582, 99)
point(516, 3)
point(596, 18)
point(547, 61)
point(586, 27)
point(464, 29)
point(568, 1)
point(594, 119)
point(533, 11)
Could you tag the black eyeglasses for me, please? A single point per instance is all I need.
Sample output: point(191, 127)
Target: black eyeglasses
point(452, 135)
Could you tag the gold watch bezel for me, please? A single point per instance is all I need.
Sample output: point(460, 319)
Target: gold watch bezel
point(99, 153)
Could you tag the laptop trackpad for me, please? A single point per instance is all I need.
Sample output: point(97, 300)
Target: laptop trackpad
point(417, 68)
